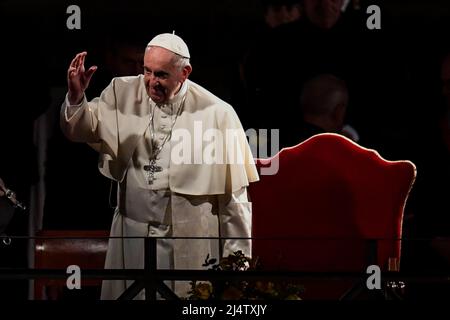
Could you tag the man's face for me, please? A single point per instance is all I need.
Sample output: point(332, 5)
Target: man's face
point(277, 15)
point(323, 13)
point(128, 61)
point(162, 77)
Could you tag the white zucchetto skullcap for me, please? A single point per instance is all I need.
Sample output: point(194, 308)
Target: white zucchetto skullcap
point(171, 42)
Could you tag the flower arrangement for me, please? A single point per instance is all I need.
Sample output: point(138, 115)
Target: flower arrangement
point(241, 289)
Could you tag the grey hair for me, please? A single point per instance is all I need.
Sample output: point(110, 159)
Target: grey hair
point(180, 61)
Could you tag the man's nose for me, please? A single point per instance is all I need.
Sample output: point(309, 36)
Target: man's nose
point(152, 79)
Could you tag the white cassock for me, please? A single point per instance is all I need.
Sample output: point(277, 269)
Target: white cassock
point(185, 199)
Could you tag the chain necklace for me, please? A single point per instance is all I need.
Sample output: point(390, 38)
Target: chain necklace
point(152, 168)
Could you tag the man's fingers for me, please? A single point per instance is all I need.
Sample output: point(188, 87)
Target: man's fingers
point(76, 74)
point(91, 71)
point(82, 58)
point(71, 72)
point(77, 61)
point(74, 61)
point(89, 74)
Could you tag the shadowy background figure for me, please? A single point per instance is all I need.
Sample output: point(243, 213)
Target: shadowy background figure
point(25, 96)
point(323, 105)
point(71, 171)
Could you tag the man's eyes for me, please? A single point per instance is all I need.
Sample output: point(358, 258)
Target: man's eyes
point(161, 75)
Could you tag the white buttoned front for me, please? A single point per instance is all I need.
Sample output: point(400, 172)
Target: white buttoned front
point(164, 117)
point(151, 199)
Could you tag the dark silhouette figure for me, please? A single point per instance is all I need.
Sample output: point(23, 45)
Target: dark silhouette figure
point(71, 170)
point(24, 97)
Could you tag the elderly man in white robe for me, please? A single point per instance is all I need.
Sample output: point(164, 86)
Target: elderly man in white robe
point(152, 133)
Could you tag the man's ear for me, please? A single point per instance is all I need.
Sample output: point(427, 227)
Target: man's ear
point(186, 72)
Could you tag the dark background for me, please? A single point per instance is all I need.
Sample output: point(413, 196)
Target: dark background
point(394, 88)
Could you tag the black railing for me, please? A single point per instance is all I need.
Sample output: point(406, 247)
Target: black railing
point(152, 279)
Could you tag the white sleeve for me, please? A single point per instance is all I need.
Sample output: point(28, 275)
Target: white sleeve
point(72, 109)
point(235, 220)
point(80, 123)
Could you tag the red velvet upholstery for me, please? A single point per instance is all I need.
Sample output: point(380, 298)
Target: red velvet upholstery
point(58, 249)
point(328, 197)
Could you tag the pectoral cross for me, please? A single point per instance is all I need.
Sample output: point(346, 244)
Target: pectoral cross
point(151, 169)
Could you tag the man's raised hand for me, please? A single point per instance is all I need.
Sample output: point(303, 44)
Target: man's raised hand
point(78, 78)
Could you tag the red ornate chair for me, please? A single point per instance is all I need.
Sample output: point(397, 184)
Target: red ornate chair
point(58, 249)
point(328, 198)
